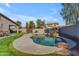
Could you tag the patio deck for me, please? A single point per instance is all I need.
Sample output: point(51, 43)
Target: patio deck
point(26, 45)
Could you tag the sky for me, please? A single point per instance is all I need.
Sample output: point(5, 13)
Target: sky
point(25, 12)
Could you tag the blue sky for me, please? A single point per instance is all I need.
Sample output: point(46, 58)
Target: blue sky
point(25, 12)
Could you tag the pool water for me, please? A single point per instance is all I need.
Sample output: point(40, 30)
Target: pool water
point(48, 41)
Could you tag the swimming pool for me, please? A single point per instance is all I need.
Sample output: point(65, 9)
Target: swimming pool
point(47, 40)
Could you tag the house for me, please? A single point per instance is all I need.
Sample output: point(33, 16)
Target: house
point(53, 25)
point(7, 25)
point(23, 30)
point(39, 31)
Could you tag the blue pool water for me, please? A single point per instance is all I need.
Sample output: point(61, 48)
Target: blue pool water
point(47, 41)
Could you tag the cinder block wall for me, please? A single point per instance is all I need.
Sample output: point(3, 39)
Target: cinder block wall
point(71, 32)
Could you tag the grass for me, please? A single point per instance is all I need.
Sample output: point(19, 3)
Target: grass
point(5, 43)
point(7, 49)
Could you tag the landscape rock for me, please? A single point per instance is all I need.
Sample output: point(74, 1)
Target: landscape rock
point(63, 48)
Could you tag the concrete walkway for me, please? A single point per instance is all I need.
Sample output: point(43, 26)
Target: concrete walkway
point(26, 45)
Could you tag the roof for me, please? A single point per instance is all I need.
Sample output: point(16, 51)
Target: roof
point(7, 18)
point(53, 23)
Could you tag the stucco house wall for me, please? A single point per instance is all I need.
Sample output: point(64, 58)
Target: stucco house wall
point(5, 23)
point(39, 31)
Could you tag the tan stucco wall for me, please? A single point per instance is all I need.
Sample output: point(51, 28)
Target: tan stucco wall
point(5, 23)
point(40, 31)
point(24, 30)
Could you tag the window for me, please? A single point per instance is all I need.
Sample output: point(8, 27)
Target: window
point(1, 26)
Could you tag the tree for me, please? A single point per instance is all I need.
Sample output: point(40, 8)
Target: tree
point(43, 23)
point(31, 25)
point(57, 23)
point(40, 23)
point(27, 24)
point(70, 13)
point(19, 24)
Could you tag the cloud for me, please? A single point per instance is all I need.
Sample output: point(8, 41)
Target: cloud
point(8, 5)
point(47, 19)
point(27, 18)
point(3, 11)
point(5, 1)
point(50, 19)
point(24, 18)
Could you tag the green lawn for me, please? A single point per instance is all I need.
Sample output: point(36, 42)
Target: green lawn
point(7, 49)
point(5, 43)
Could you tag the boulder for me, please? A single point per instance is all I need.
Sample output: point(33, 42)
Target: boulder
point(65, 52)
point(63, 48)
point(63, 45)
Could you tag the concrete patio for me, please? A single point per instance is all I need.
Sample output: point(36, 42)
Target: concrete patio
point(26, 45)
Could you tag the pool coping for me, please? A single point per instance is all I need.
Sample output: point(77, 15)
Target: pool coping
point(28, 46)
